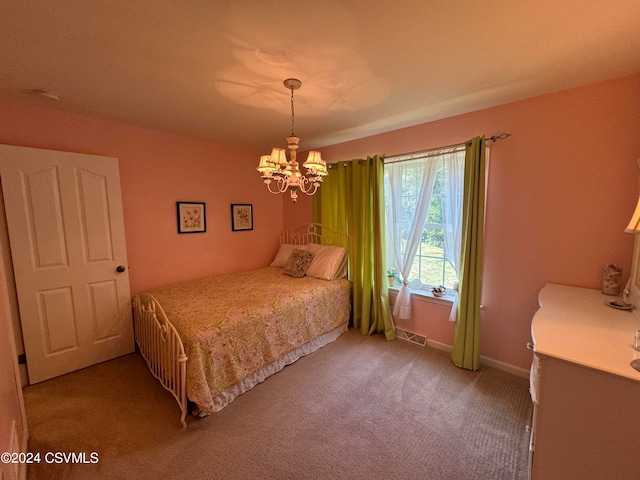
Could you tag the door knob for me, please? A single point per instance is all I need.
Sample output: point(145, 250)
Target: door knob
point(120, 268)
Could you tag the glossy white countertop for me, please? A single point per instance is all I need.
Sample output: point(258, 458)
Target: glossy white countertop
point(575, 324)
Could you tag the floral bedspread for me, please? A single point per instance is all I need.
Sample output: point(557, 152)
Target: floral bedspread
point(233, 325)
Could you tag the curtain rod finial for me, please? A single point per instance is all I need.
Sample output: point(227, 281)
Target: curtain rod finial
point(502, 136)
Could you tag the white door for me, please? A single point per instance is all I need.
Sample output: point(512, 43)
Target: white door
point(66, 229)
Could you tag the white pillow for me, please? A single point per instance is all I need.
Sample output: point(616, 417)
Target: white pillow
point(284, 253)
point(342, 269)
point(328, 262)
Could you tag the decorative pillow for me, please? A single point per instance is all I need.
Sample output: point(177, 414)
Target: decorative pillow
point(297, 263)
point(284, 253)
point(328, 262)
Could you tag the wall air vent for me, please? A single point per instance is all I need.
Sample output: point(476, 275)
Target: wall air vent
point(411, 337)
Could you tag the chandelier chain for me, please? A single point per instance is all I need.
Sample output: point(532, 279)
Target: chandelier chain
point(292, 114)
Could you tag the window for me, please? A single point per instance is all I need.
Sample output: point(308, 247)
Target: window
point(423, 195)
point(430, 264)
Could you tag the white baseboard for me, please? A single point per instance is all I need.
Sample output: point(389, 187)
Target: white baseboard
point(439, 346)
point(489, 362)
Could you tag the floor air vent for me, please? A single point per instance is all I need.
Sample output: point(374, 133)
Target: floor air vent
point(411, 337)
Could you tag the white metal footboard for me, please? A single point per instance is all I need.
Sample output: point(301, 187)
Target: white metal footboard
point(161, 347)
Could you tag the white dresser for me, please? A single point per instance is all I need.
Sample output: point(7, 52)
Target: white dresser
point(586, 395)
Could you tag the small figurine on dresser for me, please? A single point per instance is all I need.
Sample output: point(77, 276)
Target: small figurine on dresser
point(611, 279)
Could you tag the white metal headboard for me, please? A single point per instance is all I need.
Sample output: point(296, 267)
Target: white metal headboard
point(315, 233)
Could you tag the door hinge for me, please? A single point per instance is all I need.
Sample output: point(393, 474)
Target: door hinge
point(22, 359)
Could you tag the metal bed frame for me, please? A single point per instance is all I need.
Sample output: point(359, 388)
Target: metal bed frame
point(158, 340)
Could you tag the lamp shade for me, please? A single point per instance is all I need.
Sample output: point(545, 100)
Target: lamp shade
point(315, 164)
point(634, 224)
point(322, 170)
point(279, 157)
point(266, 166)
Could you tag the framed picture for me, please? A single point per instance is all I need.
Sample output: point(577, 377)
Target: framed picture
point(191, 217)
point(241, 217)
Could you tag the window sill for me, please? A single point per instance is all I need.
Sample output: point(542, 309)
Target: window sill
point(427, 296)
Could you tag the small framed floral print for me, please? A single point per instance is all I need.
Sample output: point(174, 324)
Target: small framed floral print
point(191, 217)
point(241, 217)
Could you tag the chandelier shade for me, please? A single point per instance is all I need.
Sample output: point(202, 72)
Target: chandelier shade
point(266, 165)
point(281, 174)
point(315, 164)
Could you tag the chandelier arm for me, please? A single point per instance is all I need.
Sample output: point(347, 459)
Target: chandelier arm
point(269, 188)
point(281, 186)
point(310, 191)
point(308, 186)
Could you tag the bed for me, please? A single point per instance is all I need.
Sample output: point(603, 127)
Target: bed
point(209, 340)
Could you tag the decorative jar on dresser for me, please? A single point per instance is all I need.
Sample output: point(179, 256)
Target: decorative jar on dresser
point(586, 395)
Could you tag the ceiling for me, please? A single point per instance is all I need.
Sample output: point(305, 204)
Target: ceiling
point(214, 69)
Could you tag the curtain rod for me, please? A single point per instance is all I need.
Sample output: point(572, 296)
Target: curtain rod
point(493, 138)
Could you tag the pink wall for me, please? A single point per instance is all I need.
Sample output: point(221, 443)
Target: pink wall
point(561, 190)
point(297, 213)
point(156, 170)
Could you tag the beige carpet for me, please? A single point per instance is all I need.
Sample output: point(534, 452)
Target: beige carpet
point(360, 408)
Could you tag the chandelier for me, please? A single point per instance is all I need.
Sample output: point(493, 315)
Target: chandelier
point(280, 174)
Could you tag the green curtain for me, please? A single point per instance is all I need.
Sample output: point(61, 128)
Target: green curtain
point(351, 200)
point(466, 342)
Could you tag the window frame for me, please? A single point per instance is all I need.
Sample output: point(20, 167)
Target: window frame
point(443, 261)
